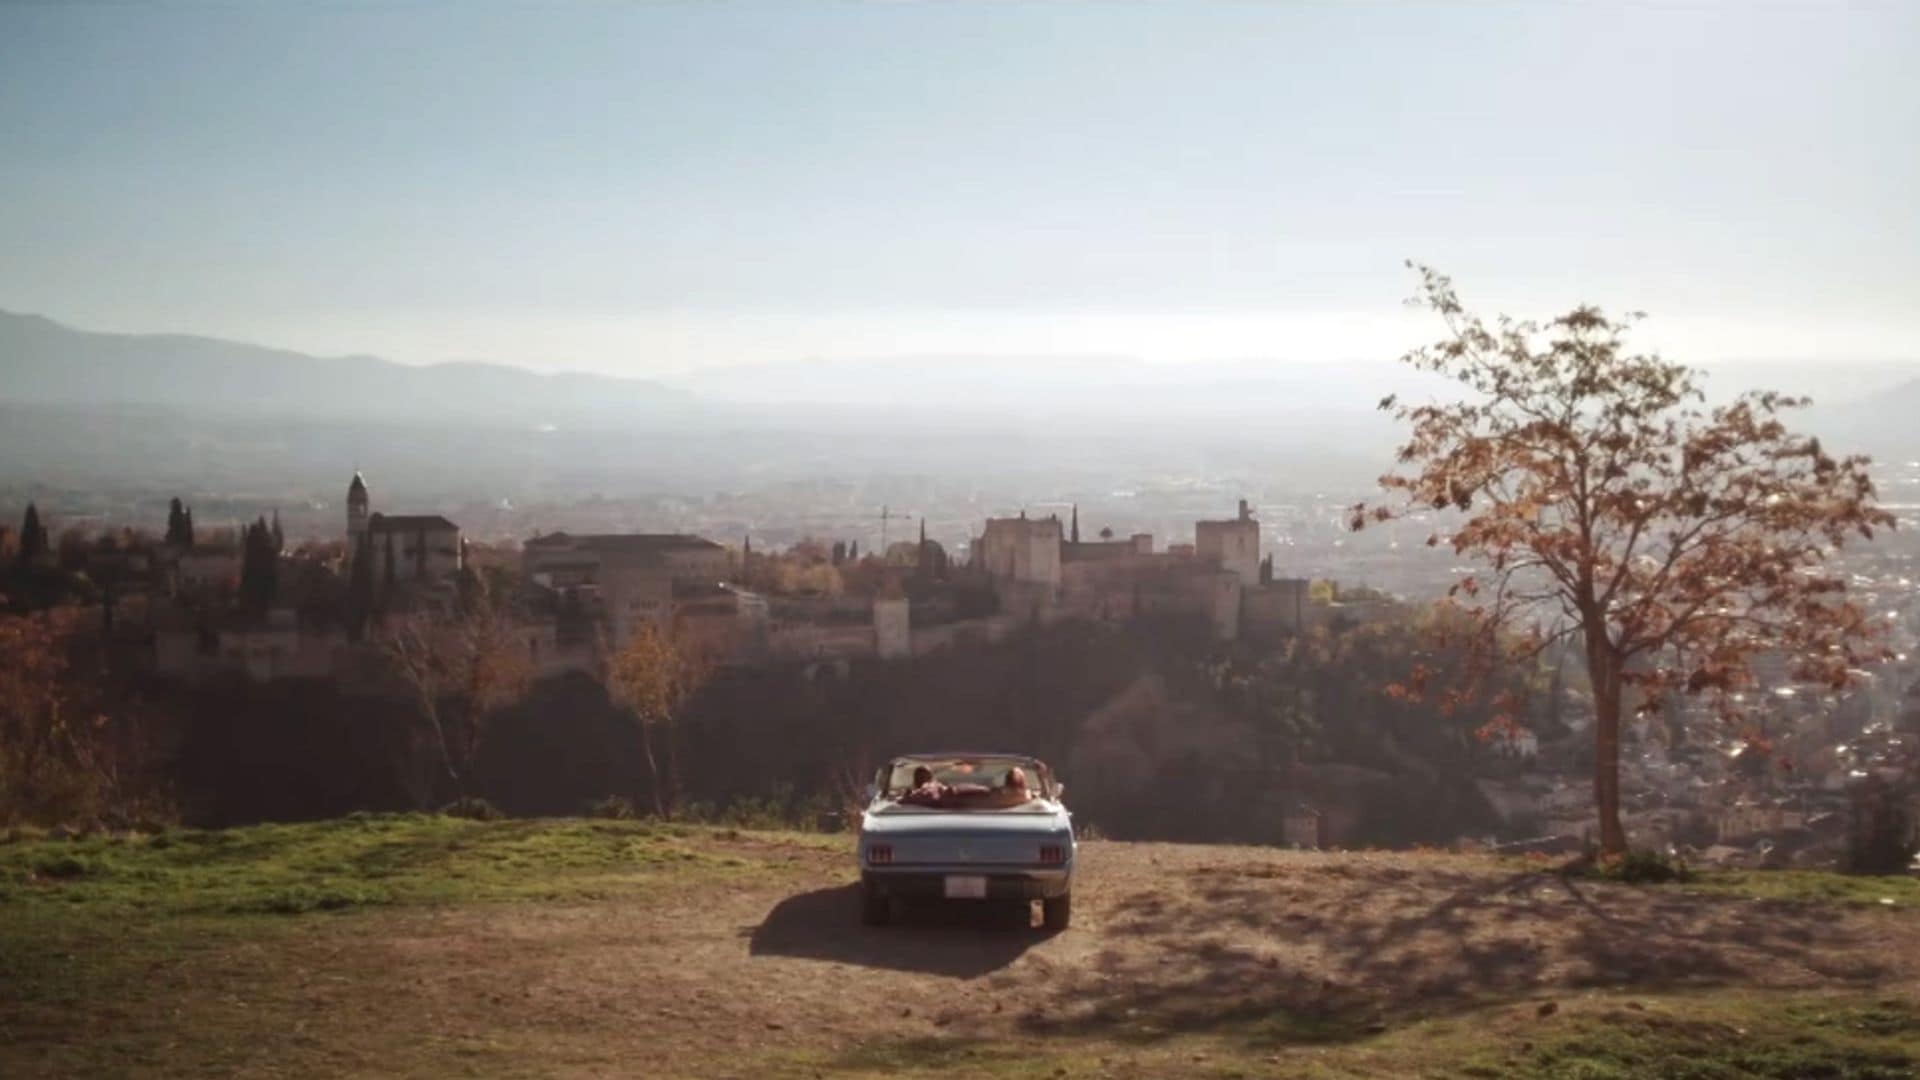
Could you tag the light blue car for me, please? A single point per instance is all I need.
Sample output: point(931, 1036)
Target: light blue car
point(966, 827)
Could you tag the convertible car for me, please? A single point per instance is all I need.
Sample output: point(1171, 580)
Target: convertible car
point(966, 827)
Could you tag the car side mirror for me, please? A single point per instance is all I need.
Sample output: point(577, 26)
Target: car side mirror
point(873, 792)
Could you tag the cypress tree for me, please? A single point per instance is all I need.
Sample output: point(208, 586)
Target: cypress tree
point(33, 537)
point(259, 568)
point(270, 566)
point(249, 569)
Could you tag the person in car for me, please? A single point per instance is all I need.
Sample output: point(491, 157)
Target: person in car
point(1014, 790)
point(926, 791)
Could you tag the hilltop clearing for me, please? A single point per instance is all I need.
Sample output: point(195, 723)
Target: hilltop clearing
point(430, 946)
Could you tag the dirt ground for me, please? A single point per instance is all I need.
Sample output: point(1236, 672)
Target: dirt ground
point(774, 975)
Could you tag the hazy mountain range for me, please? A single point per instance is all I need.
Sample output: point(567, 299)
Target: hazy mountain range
point(46, 363)
point(81, 406)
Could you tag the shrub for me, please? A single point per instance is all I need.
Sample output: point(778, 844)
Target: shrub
point(612, 808)
point(1639, 868)
point(759, 812)
point(63, 866)
point(474, 808)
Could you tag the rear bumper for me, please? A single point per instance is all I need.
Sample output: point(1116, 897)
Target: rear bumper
point(921, 882)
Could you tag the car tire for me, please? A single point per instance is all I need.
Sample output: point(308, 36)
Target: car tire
point(1057, 912)
point(875, 909)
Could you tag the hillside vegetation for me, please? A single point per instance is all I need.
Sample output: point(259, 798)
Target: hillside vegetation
point(423, 945)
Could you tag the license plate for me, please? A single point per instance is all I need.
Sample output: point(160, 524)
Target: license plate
point(966, 887)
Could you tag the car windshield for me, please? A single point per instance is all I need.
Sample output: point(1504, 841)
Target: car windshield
point(967, 783)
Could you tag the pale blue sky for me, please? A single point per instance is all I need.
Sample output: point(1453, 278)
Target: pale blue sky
point(649, 188)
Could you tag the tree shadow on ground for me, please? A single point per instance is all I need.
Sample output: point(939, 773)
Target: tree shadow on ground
point(1291, 954)
point(960, 940)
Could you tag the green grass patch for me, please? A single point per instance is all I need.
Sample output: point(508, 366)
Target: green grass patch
point(1718, 1037)
point(1734, 1035)
point(1795, 886)
point(366, 861)
point(359, 861)
point(112, 933)
point(1810, 887)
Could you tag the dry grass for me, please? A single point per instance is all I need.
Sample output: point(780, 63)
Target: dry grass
point(604, 948)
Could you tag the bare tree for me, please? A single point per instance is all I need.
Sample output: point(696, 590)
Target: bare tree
point(1674, 541)
point(73, 747)
point(460, 665)
point(652, 676)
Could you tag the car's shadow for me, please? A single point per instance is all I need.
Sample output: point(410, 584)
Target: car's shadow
point(962, 940)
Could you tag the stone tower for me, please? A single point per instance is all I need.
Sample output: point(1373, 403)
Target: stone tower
point(356, 512)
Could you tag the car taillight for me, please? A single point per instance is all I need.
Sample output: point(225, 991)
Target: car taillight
point(880, 854)
point(1053, 853)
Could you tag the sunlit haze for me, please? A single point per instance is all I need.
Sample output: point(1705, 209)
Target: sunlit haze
point(655, 189)
point(960, 538)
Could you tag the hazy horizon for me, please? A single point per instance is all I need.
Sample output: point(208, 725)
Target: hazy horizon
point(662, 190)
point(1045, 382)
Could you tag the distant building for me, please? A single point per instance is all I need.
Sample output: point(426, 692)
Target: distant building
point(635, 576)
point(404, 547)
point(206, 566)
point(419, 547)
point(1023, 550)
point(264, 650)
point(558, 557)
point(1303, 827)
point(892, 627)
point(1233, 545)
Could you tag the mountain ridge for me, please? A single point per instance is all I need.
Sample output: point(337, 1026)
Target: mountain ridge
point(46, 362)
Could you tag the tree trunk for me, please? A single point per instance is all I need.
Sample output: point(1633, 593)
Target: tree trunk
point(1603, 672)
point(653, 770)
point(469, 752)
point(673, 769)
point(1606, 772)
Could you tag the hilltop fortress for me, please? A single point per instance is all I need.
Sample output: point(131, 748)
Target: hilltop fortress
point(578, 595)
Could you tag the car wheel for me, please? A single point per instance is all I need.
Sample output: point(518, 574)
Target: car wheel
point(1056, 913)
point(875, 909)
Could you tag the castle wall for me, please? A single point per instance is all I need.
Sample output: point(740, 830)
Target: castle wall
point(892, 628)
point(1278, 607)
point(1232, 545)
